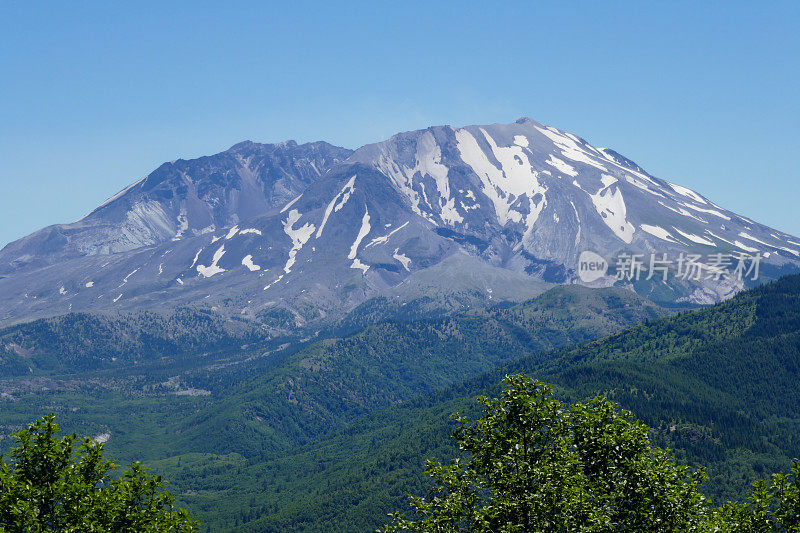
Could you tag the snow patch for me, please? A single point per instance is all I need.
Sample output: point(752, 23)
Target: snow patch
point(684, 191)
point(570, 148)
point(429, 162)
point(213, 268)
point(682, 212)
point(247, 231)
point(342, 198)
point(248, 262)
point(710, 211)
point(125, 280)
point(610, 205)
point(561, 166)
point(290, 204)
point(276, 280)
point(750, 237)
point(468, 208)
point(197, 256)
point(404, 260)
point(506, 185)
point(610, 158)
point(299, 235)
point(359, 265)
point(630, 178)
point(745, 247)
point(362, 232)
point(656, 231)
point(695, 238)
point(385, 238)
point(608, 180)
point(577, 223)
point(720, 238)
point(183, 225)
point(234, 230)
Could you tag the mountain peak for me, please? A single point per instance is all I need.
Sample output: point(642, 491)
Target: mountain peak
point(252, 145)
point(316, 229)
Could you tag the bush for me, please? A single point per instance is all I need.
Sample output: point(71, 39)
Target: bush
point(533, 464)
point(49, 485)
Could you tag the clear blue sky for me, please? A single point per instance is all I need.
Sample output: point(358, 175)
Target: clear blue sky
point(94, 96)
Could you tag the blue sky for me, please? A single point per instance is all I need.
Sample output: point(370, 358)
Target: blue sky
point(95, 96)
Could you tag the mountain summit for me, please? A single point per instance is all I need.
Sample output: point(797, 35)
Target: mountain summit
point(450, 214)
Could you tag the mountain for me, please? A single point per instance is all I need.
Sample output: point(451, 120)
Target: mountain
point(329, 383)
point(531, 198)
point(463, 215)
point(340, 428)
point(181, 199)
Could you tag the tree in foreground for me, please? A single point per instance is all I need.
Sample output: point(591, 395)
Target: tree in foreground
point(770, 507)
point(536, 465)
point(52, 484)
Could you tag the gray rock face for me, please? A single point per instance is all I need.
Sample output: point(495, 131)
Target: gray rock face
point(309, 231)
point(181, 199)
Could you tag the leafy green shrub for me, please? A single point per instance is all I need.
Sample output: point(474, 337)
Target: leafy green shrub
point(49, 485)
point(537, 465)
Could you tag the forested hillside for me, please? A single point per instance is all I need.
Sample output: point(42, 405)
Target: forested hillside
point(715, 384)
point(80, 342)
point(327, 385)
point(165, 397)
point(334, 435)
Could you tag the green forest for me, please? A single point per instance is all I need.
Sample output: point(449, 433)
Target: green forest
point(333, 434)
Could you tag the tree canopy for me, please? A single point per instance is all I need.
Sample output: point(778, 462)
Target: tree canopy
point(62, 484)
point(534, 464)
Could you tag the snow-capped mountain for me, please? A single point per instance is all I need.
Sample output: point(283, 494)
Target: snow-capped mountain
point(480, 212)
point(539, 197)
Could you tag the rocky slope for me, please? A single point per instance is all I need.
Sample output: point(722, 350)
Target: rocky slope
point(460, 215)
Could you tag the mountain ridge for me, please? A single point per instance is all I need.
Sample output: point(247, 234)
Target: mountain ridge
point(316, 229)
